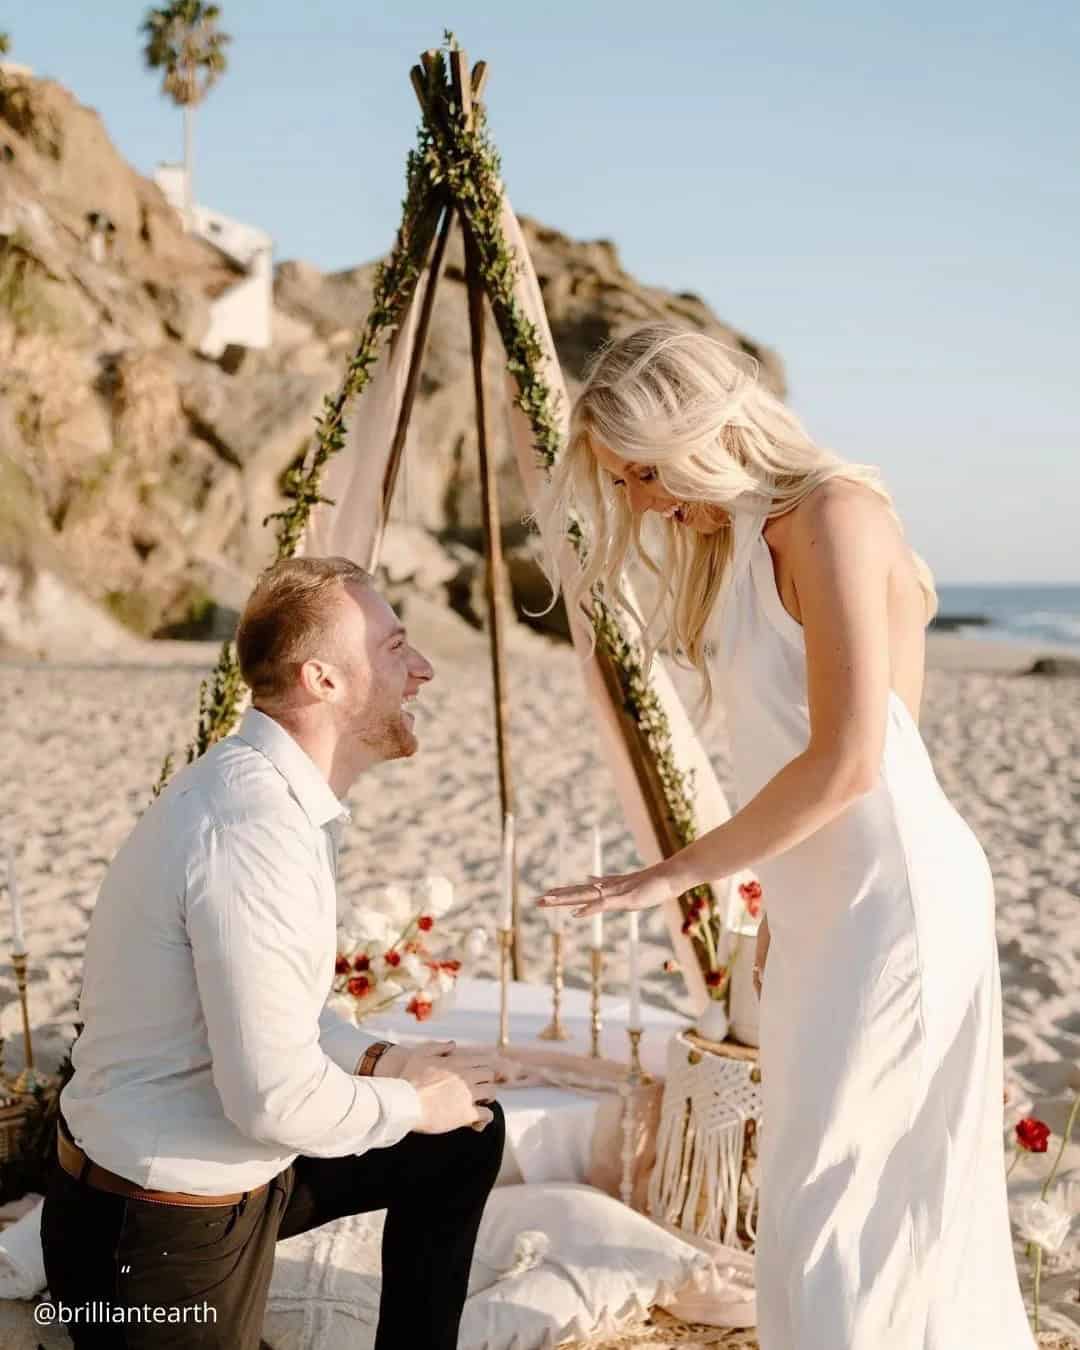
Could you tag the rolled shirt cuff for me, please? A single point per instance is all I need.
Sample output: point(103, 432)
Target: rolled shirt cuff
point(400, 1105)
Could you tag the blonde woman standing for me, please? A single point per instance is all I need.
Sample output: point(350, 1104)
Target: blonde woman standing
point(783, 576)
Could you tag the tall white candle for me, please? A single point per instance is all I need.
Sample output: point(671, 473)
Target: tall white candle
point(597, 871)
point(635, 974)
point(18, 940)
point(504, 914)
point(556, 915)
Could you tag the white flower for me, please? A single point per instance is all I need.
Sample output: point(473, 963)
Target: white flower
point(417, 970)
point(444, 981)
point(476, 943)
point(368, 928)
point(436, 896)
point(1044, 1223)
point(397, 904)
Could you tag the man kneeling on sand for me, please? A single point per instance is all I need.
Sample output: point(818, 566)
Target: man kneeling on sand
point(217, 1104)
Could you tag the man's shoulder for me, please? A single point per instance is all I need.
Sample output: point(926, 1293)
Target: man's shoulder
point(231, 786)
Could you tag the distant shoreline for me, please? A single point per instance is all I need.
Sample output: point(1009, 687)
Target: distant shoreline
point(972, 650)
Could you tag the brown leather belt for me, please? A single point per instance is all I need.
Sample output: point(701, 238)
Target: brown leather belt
point(75, 1162)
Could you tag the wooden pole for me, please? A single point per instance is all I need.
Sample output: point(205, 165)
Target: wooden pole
point(645, 769)
point(495, 569)
point(412, 383)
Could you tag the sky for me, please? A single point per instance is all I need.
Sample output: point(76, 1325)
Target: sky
point(886, 195)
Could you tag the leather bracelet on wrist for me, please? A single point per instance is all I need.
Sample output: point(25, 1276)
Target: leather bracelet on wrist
point(372, 1055)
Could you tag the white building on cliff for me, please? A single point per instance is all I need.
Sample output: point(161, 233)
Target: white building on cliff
point(241, 316)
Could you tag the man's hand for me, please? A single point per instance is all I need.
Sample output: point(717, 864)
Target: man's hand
point(453, 1084)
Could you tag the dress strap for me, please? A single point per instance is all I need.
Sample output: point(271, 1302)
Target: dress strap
point(747, 527)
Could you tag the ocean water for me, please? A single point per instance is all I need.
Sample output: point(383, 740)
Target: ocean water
point(1048, 614)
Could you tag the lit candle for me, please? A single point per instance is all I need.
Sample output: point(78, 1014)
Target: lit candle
point(635, 975)
point(597, 871)
point(504, 915)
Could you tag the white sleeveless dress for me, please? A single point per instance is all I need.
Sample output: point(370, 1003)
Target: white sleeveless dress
point(884, 1221)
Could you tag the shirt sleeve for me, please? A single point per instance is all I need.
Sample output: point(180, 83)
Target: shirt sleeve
point(344, 1042)
point(252, 910)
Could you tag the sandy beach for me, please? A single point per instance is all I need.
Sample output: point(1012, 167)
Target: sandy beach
point(81, 747)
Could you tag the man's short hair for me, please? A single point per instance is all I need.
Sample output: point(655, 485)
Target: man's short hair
point(286, 617)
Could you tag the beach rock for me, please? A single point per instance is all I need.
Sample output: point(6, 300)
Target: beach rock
point(146, 471)
point(949, 623)
point(1056, 665)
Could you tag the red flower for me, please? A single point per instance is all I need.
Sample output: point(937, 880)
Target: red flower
point(1032, 1134)
point(420, 1008)
point(392, 958)
point(341, 966)
point(425, 923)
point(359, 986)
point(751, 894)
point(362, 963)
point(698, 904)
point(715, 978)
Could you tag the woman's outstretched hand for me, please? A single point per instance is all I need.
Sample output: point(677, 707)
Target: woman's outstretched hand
point(602, 895)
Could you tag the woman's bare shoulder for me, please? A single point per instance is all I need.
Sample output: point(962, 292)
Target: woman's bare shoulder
point(840, 507)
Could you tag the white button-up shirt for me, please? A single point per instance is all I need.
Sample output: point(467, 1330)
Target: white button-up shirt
point(208, 1059)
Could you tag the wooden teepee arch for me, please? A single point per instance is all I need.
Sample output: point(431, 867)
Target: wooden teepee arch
point(453, 175)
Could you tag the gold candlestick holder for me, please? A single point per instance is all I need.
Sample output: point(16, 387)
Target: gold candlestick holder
point(18, 960)
point(597, 955)
point(635, 1078)
point(637, 1073)
point(506, 944)
point(555, 1031)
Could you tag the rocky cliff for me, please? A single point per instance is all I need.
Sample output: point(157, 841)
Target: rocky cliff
point(135, 474)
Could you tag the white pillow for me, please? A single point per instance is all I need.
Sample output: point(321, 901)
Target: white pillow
point(596, 1265)
point(601, 1265)
point(325, 1287)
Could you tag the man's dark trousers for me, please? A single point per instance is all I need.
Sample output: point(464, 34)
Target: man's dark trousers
point(119, 1252)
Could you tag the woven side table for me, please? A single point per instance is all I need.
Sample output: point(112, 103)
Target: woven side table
point(705, 1179)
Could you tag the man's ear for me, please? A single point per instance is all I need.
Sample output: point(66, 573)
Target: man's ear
point(321, 680)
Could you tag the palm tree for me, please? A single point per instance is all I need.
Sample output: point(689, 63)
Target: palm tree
point(5, 44)
point(183, 41)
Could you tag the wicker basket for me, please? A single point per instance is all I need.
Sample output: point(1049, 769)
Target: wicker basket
point(13, 1109)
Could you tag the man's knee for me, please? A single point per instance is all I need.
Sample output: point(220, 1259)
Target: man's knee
point(494, 1133)
point(482, 1150)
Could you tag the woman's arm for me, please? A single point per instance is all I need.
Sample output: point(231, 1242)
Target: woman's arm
point(840, 566)
point(840, 546)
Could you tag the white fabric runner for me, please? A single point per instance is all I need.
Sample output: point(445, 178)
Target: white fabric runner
point(549, 1127)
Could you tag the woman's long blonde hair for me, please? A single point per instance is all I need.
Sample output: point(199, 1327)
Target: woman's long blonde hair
point(680, 400)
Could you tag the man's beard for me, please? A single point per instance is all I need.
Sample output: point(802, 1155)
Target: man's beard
point(386, 736)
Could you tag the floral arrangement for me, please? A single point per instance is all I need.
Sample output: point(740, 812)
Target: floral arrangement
point(1044, 1224)
point(705, 924)
point(383, 952)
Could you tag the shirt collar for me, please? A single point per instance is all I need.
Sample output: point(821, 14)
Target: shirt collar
point(295, 765)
